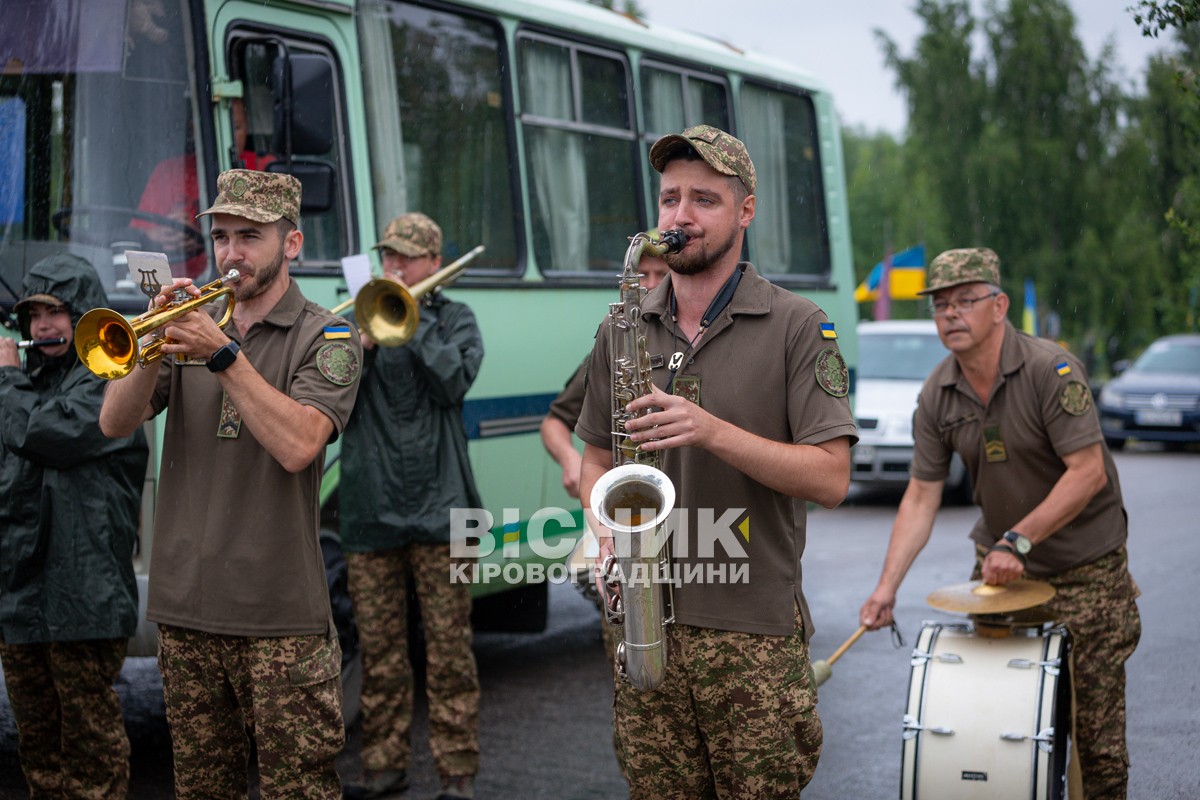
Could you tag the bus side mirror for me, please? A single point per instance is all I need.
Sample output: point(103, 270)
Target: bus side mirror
point(316, 182)
point(302, 84)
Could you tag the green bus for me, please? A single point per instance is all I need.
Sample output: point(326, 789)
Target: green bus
point(522, 125)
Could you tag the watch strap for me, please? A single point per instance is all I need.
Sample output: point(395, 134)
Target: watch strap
point(1003, 547)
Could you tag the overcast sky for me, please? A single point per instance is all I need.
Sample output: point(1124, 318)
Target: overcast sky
point(834, 39)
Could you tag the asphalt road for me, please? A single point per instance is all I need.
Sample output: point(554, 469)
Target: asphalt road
point(545, 718)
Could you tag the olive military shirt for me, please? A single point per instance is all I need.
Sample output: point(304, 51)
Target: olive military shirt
point(1040, 410)
point(756, 367)
point(568, 405)
point(236, 547)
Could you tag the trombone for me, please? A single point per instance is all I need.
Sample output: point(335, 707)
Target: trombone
point(108, 344)
point(388, 311)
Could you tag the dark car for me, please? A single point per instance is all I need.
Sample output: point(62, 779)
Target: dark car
point(1157, 398)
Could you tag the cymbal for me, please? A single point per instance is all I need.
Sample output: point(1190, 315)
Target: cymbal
point(977, 597)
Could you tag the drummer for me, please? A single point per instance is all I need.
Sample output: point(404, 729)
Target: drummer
point(1019, 412)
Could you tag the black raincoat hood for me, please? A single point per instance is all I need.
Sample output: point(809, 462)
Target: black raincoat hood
point(69, 278)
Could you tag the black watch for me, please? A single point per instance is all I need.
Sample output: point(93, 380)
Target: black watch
point(224, 357)
point(1020, 543)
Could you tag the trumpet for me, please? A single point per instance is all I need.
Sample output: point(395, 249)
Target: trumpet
point(388, 311)
point(109, 345)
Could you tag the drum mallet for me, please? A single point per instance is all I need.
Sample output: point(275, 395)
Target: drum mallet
point(824, 669)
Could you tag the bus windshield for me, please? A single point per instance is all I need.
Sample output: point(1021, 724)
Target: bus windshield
point(96, 139)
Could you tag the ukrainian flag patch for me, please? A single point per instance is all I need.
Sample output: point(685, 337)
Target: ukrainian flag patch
point(1063, 369)
point(337, 331)
point(827, 331)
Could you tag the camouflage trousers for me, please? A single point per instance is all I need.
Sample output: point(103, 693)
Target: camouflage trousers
point(69, 723)
point(1097, 604)
point(735, 717)
point(379, 588)
point(283, 692)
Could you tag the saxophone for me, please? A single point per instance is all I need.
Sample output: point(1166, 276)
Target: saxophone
point(635, 497)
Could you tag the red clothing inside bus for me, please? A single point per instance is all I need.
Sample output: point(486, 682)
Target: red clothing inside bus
point(173, 191)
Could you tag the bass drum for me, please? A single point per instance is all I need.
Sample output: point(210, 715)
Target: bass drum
point(987, 717)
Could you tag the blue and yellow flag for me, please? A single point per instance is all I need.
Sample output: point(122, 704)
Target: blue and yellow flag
point(1029, 321)
point(337, 331)
point(827, 331)
point(905, 276)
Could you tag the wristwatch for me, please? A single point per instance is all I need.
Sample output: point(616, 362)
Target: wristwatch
point(1020, 544)
point(224, 357)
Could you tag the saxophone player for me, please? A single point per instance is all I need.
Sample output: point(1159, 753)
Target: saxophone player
point(750, 415)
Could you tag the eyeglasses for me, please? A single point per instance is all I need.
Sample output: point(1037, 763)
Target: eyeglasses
point(940, 308)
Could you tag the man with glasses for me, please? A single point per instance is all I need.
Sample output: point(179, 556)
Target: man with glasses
point(1018, 410)
point(404, 467)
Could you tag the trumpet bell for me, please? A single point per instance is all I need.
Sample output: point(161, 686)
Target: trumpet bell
point(106, 343)
point(633, 498)
point(387, 312)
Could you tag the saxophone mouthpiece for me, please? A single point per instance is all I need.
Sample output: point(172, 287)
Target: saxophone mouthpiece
point(673, 239)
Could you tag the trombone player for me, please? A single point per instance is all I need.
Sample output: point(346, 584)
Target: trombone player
point(404, 466)
point(238, 586)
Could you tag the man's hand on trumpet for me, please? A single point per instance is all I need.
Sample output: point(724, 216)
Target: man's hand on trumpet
point(194, 335)
point(166, 294)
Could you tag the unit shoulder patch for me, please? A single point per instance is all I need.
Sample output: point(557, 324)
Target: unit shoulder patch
point(832, 374)
point(1075, 398)
point(338, 362)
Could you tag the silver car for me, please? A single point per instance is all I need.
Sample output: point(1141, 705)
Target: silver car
point(895, 357)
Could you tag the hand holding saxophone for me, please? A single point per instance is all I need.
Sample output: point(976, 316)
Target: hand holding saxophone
point(664, 421)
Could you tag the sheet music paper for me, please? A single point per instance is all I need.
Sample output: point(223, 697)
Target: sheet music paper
point(147, 269)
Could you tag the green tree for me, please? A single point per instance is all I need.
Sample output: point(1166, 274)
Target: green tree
point(1028, 147)
point(945, 91)
point(891, 203)
point(1155, 16)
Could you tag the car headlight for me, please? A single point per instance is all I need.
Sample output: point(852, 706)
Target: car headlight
point(1111, 398)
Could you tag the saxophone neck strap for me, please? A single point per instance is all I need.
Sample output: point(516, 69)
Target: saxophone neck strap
point(713, 311)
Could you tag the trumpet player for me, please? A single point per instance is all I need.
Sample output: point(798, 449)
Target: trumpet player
point(395, 525)
point(68, 601)
point(238, 586)
point(750, 414)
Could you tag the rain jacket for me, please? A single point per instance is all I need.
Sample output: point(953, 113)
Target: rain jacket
point(70, 495)
point(404, 452)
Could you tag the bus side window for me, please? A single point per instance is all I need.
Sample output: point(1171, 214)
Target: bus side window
point(675, 98)
point(582, 154)
point(780, 128)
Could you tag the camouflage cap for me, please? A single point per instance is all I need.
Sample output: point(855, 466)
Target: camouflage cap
point(257, 196)
point(413, 235)
point(966, 265)
point(721, 151)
